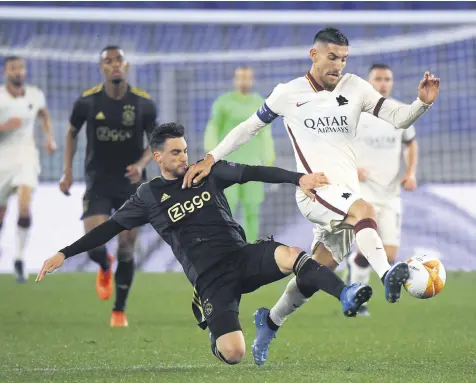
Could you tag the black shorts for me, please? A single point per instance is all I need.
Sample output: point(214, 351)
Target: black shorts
point(103, 199)
point(221, 287)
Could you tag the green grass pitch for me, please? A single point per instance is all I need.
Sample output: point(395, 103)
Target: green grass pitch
point(58, 331)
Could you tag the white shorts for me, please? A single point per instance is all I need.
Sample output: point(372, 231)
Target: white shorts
point(389, 223)
point(25, 173)
point(330, 209)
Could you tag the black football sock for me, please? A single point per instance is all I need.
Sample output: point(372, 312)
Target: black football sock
point(99, 255)
point(311, 276)
point(273, 326)
point(123, 278)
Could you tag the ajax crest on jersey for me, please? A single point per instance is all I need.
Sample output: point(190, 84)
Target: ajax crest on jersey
point(427, 276)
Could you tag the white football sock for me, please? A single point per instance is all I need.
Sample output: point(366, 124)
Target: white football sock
point(22, 237)
point(289, 302)
point(371, 247)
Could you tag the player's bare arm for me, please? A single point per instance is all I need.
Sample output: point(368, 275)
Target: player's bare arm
point(268, 174)
point(134, 171)
point(47, 127)
point(410, 154)
point(402, 116)
point(71, 145)
point(11, 124)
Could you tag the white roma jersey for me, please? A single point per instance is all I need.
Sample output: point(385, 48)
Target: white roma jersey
point(322, 124)
point(379, 149)
point(18, 143)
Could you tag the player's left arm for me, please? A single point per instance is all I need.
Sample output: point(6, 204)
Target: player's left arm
point(46, 123)
point(132, 214)
point(230, 173)
point(134, 171)
point(410, 154)
point(400, 116)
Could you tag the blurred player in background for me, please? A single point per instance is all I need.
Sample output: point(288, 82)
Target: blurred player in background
point(379, 149)
point(228, 111)
point(321, 111)
point(117, 117)
point(20, 104)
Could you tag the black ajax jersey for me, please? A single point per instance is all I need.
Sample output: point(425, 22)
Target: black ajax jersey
point(196, 222)
point(114, 129)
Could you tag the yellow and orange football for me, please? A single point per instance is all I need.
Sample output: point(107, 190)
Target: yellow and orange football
point(427, 277)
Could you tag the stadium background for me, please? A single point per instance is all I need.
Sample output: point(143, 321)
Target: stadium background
point(186, 64)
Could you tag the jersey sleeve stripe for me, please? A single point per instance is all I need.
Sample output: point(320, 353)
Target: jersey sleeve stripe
point(308, 169)
point(378, 106)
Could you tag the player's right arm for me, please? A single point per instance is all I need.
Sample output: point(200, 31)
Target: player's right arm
point(132, 214)
point(400, 116)
point(241, 134)
point(76, 121)
point(11, 124)
point(230, 173)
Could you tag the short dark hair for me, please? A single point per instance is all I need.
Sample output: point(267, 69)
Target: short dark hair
point(331, 36)
point(11, 58)
point(163, 132)
point(379, 66)
point(110, 48)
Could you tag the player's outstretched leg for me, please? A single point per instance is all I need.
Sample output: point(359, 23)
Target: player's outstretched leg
point(123, 277)
point(362, 215)
point(23, 230)
point(229, 344)
point(310, 277)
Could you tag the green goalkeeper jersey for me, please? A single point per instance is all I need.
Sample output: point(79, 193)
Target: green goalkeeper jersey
point(229, 110)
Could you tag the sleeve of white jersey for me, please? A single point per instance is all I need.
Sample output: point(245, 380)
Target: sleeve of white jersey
point(242, 133)
point(408, 134)
point(399, 115)
point(41, 99)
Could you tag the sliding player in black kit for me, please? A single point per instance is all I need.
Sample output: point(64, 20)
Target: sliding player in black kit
point(117, 117)
point(210, 245)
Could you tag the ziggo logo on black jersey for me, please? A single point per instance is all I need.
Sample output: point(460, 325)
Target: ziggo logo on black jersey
point(180, 210)
point(104, 133)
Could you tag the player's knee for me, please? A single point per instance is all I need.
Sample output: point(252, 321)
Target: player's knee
point(232, 353)
point(362, 210)
point(97, 253)
point(125, 252)
point(286, 257)
point(24, 222)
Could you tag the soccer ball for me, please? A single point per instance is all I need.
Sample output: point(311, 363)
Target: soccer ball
point(427, 276)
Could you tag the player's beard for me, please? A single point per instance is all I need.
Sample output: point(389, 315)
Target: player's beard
point(17, 82)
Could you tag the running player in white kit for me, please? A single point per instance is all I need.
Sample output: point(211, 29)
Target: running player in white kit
point(20, 104)
point(379, 149)
point(321, 111)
